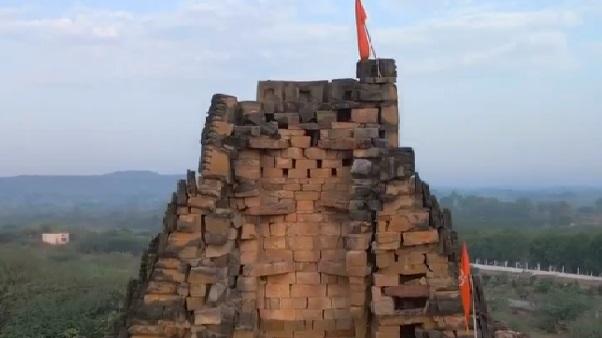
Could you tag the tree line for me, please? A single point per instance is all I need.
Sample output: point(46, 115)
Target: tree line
point(554, 233)
point(572, 248)
point(478, 211)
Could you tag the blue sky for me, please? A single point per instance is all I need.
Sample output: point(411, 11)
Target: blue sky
point(492, 92)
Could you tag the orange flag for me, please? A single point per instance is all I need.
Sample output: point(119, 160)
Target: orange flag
point(363, 43)
point(465, 283)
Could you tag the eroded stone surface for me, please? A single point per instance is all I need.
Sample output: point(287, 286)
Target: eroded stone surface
point(306, 220)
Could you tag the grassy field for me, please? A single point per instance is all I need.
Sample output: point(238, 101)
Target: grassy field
point(67, 292)
point(59, 292)
point(545, 309)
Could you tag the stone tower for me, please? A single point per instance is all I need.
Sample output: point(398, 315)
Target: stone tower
point(306, 220)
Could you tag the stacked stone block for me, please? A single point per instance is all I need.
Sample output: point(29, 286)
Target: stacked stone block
point(306, 220)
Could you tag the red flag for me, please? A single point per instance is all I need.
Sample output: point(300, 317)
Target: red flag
point(363, 42)
point(464, 281)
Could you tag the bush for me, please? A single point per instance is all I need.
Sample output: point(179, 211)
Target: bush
point(558, 307)
point(543, 286)
point(586, 327)
point(55, 292)
point(111, 241)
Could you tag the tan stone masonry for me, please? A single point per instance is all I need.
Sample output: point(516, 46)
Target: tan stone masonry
point(306, 220)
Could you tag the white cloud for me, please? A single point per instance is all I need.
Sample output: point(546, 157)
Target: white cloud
point(81, 28)
point(229, 33)
point(483, 38)
point(487, 20)
point(101, 68)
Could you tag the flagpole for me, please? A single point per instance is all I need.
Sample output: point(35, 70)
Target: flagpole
point(373, 50)
point(474, 311)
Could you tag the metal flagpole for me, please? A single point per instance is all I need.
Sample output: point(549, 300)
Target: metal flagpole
point(474, 320)
point(474, 310)
point(373, 50)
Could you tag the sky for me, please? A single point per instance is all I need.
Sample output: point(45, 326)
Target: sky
point(492, 92)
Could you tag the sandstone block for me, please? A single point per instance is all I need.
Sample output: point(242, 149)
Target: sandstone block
point(332, 163)
point(306, 256)
point(308, 277)
point(293, 303)
point(337, 314)
point(307, 195)
point(407, 291)
point(334, 290)
point(189, 223)
point(195, 303)
point(247, 169)
point(207, 316)
point(356, 258)
point(279, 314)
point(182, 239)
point(305, 164)
point(202, 202)
point(293, 153)
point(381, 279)
point(301, 242)
point(298, 173)
point(268, 269)
point(305, 205)
point(320, 173)
point(326, 118)
point(332, 268)
point(277, 290)
point(265, 142)
point(248, 231)
point(217, 224)
point(158, 287)
point(285, 278)
point(364, 115)
point(383, 306)
point(273, 173)
point(160, 299)
point(283, 163)
point(388, 240)
point(344, 143)
point(319, 303)
point(308, 314)
point(420, 237)
point(358, 241)
point(315, 153)
point(216, 163)
point(389, 115)
point(282, 207)
point(345, 125)
point(212, 251)
point(300, 290)
point(301, 141)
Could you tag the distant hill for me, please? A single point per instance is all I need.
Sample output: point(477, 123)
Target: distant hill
point(94, 200)
point(574, 195)
point(136, 200)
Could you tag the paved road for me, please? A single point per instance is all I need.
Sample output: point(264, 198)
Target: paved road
point(536, 273)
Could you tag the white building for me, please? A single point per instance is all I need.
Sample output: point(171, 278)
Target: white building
point(61, 238)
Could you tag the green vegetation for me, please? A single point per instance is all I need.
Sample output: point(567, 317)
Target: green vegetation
point(579, 247)
point(472, 211)
point(540, 230)
point(546, 232)
point(543, 308)
point(60, 292)
point(75, 291)
point(84, 241)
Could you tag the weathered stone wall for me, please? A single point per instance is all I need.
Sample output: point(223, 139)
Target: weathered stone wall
point(307, 220)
